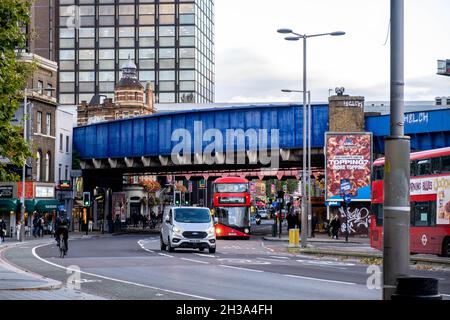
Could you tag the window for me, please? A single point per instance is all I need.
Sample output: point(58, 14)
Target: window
point(60, 142)
point(445, 164)
point(47, 167)
point(40, 87)
point(66, 173)
point(413, 168)
point(378, 173)
point(67, 144)
point(38, 166)
point(423, 214)
point(424, 167)
point(48, 124)
point(377, 209)
point(49, 90)
point(59, 172)
point(39, 122)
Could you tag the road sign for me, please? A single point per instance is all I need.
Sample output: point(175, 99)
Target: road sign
point(348, 198)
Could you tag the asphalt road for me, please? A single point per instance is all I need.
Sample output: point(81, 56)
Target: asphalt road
point(133, 267)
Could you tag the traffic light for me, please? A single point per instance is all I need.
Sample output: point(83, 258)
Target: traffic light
point(86, 199)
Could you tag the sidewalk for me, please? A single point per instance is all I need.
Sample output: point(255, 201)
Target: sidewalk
point(17, 284)
point(321, 238)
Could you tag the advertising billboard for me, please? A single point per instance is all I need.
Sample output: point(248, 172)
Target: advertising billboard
point(348, 157)
point(119, 206)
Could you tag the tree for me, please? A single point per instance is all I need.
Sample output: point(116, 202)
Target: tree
point(14, 14)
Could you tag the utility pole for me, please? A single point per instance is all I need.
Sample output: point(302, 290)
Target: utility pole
point(24, 169)
point(396, 250)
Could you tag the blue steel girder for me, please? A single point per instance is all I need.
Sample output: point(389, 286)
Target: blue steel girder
point(151, 136)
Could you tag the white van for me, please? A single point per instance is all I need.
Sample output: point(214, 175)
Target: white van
point(188, 227)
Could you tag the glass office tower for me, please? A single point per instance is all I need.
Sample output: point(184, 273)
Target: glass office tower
point(170, 41)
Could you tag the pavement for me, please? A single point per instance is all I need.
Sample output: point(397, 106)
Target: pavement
point(17, 283)
point(357, 247)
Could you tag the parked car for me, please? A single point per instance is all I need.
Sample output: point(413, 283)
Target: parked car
point(188, 228)
point(263, 214)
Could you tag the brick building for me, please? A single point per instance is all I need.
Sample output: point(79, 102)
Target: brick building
point(131, 99)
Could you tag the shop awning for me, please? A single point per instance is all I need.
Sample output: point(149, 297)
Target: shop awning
point(43, 206)
point(8, 205)
point(29, 206)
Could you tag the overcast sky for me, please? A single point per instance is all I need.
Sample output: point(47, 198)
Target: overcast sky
point(253, 62)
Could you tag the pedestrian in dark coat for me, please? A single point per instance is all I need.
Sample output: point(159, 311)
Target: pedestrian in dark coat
point(313, 225)
point(2, 229)
point(335, 226)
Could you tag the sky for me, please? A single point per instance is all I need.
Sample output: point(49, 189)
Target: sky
point(254, 62)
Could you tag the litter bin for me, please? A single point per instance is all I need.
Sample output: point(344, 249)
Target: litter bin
point(417, 288)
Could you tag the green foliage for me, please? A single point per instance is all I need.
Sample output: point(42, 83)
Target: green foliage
point(13, 75)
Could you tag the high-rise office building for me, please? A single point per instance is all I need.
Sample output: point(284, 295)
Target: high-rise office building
point(170, 41)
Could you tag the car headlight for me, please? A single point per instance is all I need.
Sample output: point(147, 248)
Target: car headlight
point(177, 230)
point(212, 231)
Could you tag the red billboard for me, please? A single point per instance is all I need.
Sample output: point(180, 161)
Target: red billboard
point(348, 156)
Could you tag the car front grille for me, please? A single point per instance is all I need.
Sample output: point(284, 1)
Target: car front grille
point(194, 234)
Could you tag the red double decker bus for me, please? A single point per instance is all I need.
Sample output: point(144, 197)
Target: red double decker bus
point(430, 203)
point(232, 203)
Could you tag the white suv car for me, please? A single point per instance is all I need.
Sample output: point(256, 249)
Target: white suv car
point(188, 227)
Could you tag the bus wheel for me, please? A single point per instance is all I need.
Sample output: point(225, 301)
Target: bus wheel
point(446, 248)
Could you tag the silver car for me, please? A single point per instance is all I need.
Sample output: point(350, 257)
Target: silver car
point(188, 228)
point(263, 214)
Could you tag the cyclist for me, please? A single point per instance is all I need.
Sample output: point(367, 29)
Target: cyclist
point(62, 228)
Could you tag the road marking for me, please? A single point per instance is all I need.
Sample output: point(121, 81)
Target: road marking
point(231, 267)
point(141, 244)
point(317, 279)
point(263, 245)
point(186, 259)
point(112, 279)
point(278, 257)
point(165, 255)
point(205, 255)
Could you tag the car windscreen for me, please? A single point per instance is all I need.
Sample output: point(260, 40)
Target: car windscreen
point(192, 215)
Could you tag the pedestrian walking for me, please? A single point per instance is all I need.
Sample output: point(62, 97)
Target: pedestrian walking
point(41, 227)
point(313, 226)
point(335, 226)
point(2, 229)
point(35, 224)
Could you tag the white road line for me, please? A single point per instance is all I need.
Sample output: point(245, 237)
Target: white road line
point(141, 244)
point(262, 245)
point(317, 279)
point(192, 260)
point(165, 255)
point(231, 267)
point(445, 295)
point(205, 255)
point(112, 279)
point(278, 257)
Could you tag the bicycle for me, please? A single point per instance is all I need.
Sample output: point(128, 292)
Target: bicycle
point(62, 248)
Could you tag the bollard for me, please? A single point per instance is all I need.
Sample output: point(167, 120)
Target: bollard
point(294, 237)
point(274, 230)
point(417, 288)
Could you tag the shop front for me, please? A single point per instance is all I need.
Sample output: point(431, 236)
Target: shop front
point(8, 212)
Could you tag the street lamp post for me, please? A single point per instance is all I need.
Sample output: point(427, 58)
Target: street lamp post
point(296, 37)
point(24, 168)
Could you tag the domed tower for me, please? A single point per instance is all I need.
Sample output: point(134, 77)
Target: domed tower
point(131, 99)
